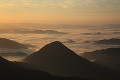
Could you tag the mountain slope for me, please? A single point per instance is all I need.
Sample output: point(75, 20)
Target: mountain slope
point(10, 44)
point(57, 59)
point(11, 71)
point(108, 57)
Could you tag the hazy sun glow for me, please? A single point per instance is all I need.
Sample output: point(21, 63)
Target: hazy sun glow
point(60, 11)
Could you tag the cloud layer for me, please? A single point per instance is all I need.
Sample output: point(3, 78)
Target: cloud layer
point(58, 10)
point(75, 5)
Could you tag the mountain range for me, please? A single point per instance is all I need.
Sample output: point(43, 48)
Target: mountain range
point(13, 71)
point(55, 58)
point(10, 44)
point(108, 57)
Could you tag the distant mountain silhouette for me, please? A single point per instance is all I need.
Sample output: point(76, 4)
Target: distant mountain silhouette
point(113, 41)
point(42, 32)
point(13, 54)
point(57, 59)
point(116, 32)
point(12, 71)
point(111, 26)
point(109, 57)
point(69, 41)
point(28, 31)
point(10, 44)
point(98, 33)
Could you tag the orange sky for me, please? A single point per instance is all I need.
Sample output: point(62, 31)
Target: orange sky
point(60, 11)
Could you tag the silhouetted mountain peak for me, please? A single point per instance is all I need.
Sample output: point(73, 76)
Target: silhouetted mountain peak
point(55, 44)
point(55, 48)
point(55, 51)
point(55, 58)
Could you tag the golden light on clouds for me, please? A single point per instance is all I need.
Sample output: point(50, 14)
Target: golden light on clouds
point(60, 11)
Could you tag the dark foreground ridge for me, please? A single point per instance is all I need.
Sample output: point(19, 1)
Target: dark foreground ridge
point(57, 59)
point(12, 71)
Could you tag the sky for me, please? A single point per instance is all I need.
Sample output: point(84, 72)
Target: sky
point(60, 11)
